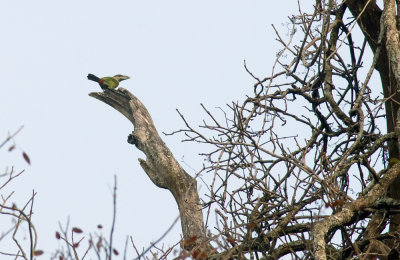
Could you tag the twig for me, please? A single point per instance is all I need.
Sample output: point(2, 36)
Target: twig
point(10, 137)
point(114, 214)
point(158, 240)
point(133, 244)
point(126, 246)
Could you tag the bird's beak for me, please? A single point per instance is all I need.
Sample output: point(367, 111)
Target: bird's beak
point(124, 78)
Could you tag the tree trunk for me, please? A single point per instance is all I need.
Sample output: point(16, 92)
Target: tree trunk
point(369, 21)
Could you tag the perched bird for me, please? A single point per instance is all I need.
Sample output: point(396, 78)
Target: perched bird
point(108, 82)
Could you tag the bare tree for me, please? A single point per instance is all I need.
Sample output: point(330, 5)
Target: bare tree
point(300, 167)
point(304, 167)
point(12, 234)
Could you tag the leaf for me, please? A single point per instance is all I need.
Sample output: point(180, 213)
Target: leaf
point(195, 254)
point(231, 240)
point(190, 241)
point(38, 252)
point(251, 225)
point(99, 243)
point(12, 147)
point(58, 236)
point(202, 255)
point(26, 157)
point(337, 203)
point(115, 252)
point(99, 226)
point(77, 230)
point(199, 254)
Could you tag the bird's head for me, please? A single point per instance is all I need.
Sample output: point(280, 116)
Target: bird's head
point(120, 77)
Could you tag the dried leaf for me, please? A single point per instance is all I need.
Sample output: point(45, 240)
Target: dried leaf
point(334, 204)
point(337, 203)
point(26, 157)
point(195, 254)
point(38, 252)
point(231, 240)
point(77, 230)
point(251, 225)
point(189, 241)
point(202, 255)
point(99, 243)
point(199, 254)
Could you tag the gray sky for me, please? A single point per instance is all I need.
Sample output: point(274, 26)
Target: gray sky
point(178, 53)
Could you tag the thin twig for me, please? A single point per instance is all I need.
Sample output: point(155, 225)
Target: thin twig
point(158, 240)
point(10, 137)
point(114, 215)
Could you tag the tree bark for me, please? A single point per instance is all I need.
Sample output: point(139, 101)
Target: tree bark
point(160, 165)
point(349, 211)
point(387, 66)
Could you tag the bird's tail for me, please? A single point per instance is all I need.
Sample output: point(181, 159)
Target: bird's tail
point(93, 77)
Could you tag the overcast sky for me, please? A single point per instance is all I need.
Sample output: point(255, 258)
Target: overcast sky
point(178, 54)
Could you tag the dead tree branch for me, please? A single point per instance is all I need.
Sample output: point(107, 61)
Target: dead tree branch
point(160, 165)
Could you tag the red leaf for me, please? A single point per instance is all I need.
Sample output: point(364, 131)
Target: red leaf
point(99, 226)
point(231, 240)
point(195, 254)
point(115, 252)
point(77, 230)
point(38, 252)
point(26, 157)
point(99, 243)
point(58, 236)
point(202, 255)
point(190, 241)
point(11, 148)
point(334, 204)
point(251, 225)
point(75, 245)
point(199, 255)
point(337, 203)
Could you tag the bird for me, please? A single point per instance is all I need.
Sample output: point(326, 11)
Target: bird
point(108, 82)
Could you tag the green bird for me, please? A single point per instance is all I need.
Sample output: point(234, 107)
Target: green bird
point(108, 82)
